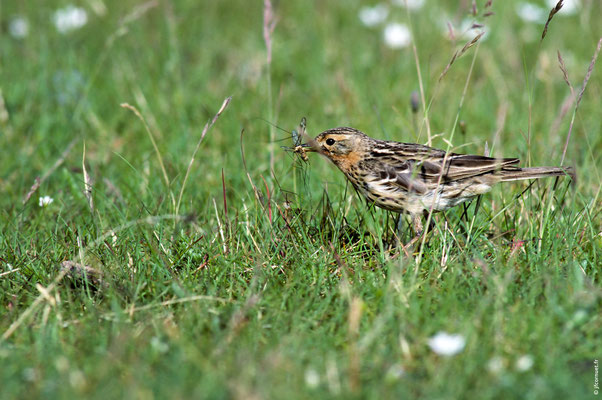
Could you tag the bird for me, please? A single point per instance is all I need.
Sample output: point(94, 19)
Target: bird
point(414, 178)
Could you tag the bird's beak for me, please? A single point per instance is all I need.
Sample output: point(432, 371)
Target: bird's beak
point(309, 147)
point(312, 145)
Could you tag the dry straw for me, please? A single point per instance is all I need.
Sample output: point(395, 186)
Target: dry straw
point(208, 126)
point(565, 74)
point(269, 24)
point(38, 181)
point(459, 53)
point(588, 74)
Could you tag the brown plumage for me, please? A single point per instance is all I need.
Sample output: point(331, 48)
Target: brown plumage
point(412, 177)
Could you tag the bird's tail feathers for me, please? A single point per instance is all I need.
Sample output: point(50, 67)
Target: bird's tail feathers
point(537, 172)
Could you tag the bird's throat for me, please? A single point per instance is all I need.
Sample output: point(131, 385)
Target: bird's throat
point(346, 162)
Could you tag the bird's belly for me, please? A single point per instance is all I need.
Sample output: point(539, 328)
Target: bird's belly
point(397, 201)
point(451, 195)
point(416, 203)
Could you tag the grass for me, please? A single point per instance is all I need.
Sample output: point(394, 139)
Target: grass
point(215, 279)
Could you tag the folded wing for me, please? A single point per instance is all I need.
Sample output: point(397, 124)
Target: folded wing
point(401, 172)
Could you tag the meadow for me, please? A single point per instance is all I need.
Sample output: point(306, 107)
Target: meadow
point(156, 240)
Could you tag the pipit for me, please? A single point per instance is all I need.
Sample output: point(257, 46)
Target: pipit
point(415, 178)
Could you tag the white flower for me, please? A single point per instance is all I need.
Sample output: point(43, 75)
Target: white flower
point(45, 201)
point(579, 317)
point(411, 4)
point(524, 363)
point(469, 29)
point(372, 16)
point(158, 345)
point(69, 18)
point(397, 36)
point(312, 379)
point(570, 7)
point(77, 379)
point(395, 372)
point(18, 27)
point(30, 374)
point(495, 365)
point(445, 344)
point(529, 12)
point(446, 27)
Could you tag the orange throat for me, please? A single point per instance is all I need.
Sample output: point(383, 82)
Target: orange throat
point(346, 162)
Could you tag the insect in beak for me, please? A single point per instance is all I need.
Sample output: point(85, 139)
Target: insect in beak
point(302, 149)
point(307, 147)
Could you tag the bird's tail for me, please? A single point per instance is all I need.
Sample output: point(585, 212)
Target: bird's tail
point(536, 172)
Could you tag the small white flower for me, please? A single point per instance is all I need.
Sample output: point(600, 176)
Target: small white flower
point(529, 12)
point(579, 317)
point(395, 373)
point(312, 378)
point(77, 379)
point(397, 36)
point(495, 365)
point(158, 345)
point(18, 27)
point(45, 201)
point(372, 16)
point(411, 4)
point(445, 344)
point(570, 7)
point(446, 27)
point(30, 374)
point(524, 363)
point(69, 18)
point(469, 29)
point(62, 364)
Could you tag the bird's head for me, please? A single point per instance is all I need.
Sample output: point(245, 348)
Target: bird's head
point(338, 143)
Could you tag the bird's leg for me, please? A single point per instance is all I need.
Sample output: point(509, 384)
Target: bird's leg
point(400, 223)
point(399, 233)
point(399, 227)
point(417, 224)
point(418, 230)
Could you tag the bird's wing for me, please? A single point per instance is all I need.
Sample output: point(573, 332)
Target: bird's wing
point(416, 168)
point(393, 174)
point(418, 174)
point(461, 166)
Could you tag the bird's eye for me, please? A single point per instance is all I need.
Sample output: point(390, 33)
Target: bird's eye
point(330, 141)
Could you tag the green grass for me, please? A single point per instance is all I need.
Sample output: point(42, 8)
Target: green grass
point(296, 290)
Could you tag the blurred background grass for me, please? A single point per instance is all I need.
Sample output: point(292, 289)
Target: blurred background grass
point(281, 325)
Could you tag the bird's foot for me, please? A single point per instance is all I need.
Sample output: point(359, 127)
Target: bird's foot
point(419, 233)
